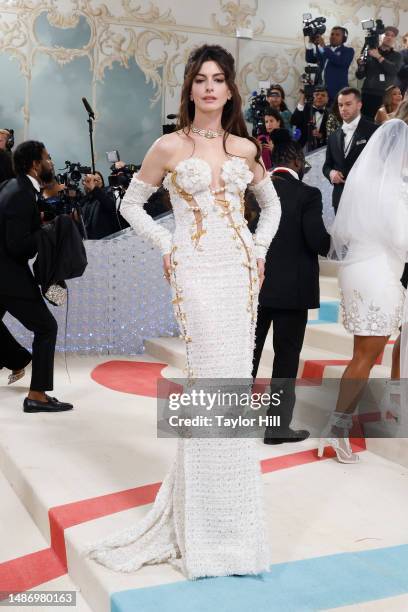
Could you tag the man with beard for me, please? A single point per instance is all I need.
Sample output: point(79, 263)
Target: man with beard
point(20, 224)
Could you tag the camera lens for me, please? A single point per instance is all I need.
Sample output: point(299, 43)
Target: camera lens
point(75, 176)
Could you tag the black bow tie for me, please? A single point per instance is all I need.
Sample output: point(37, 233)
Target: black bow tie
point(318, 110)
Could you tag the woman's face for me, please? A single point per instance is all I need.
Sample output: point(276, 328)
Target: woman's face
point(210, 91)
point(271, 123)
point(396, 96)
point(98, 180)
point(275, 98)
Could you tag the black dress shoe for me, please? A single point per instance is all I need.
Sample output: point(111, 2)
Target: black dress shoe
point(289, 435)
point(52, 405)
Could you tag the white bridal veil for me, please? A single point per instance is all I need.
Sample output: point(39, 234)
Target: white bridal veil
point(373, 210)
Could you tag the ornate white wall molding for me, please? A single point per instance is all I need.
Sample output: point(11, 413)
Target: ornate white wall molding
point(149, 33)
point(346, 12)
point(237, 15)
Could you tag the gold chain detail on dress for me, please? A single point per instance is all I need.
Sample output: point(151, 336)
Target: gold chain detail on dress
point(179, 313)
point(198, 230)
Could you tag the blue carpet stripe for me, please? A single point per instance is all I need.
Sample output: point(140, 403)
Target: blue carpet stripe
point(328, 313)
point(308, 585)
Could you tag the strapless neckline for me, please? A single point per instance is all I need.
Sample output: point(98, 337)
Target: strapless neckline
point(200, 159)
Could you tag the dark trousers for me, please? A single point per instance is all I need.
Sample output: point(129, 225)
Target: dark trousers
point(288, 335)
point(13, 356)
point(36, 317)
point(336, 197)
point(371, 104)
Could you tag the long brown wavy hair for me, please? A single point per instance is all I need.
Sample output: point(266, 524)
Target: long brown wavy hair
point(387, 100)
point(232, 119)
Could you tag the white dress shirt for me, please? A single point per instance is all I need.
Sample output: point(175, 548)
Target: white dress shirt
point(349, 129)
point(35, 183)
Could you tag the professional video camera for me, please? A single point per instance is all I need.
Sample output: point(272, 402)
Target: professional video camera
point(72, 175)
point(257, 105)
point(373, 29)
point(313, 27)
point(310, 79)
point(312, 75)
point(72, 194)
point(121, 177)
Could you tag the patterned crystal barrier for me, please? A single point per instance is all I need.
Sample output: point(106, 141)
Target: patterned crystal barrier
point(123, 299)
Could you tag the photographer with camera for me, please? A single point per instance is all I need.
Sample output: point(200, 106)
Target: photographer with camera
point(311, 118)
point(6, 144)
point(334, 59)
point(378, 65)
point(98, 208)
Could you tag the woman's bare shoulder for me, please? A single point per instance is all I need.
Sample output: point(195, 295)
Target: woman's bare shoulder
point(243, 147)
point(170, 146)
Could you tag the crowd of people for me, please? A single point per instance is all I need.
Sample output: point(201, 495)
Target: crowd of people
point(384, 76)
point(229, 285)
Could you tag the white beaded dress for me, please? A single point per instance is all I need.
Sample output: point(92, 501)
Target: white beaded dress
point(208, 517)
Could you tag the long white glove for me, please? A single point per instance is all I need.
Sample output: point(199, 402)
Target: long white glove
point(269, 217)
point(132, 210)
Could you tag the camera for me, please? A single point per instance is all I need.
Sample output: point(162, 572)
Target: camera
point(71, 196)
point(121, 177)
point(374, 29)
point(257, 105)
point(72, 175)
point(312, 76)
point(313, 27)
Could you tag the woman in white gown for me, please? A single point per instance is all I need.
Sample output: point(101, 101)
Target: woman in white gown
point(370, 237)
point(208, 517)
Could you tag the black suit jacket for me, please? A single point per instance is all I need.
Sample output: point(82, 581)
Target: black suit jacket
point(300, 119)
point(19, 223)
point(6, 166)
point(335, 159)
point(292, 267)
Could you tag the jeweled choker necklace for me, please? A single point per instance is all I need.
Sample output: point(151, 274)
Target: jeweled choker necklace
point(206, 133)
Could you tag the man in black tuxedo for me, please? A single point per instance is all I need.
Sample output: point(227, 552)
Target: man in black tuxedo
point(20, 224)
point(345, 144)
point(291, 284)
point(315, 117)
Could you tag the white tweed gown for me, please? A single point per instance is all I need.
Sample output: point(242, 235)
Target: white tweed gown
point(208, 517)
